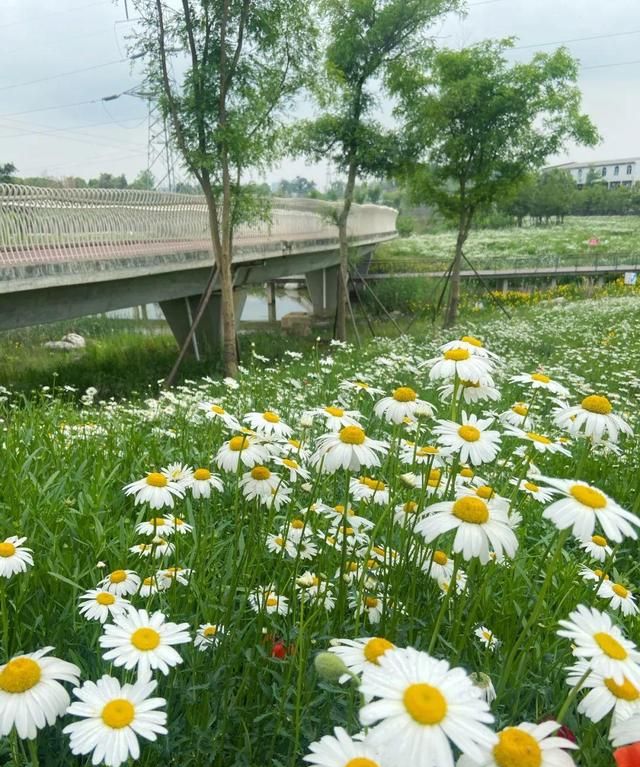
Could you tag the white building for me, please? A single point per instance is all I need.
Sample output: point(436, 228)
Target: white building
point(613, 173)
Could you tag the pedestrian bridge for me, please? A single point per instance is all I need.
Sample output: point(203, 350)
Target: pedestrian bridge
point(66, 253)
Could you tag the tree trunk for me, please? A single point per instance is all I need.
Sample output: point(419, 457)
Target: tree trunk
point(454, 294)
point(343, 271)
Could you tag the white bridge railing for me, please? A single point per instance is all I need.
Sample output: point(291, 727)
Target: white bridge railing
point(43, 225)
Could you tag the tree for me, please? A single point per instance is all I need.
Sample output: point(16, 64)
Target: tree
point(476, 126)
point(108, 181)
point(554, 194)
point(365, 36)
point(241, 61)
point(144, 180)
point(6, 173)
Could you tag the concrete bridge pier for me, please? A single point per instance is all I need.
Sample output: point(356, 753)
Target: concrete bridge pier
point(179, 313)
point(322, 285)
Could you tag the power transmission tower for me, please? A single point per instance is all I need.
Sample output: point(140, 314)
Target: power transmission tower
point(160, 156)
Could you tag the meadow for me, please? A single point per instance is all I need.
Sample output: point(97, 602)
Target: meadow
point(292, 534)
point(618, 239)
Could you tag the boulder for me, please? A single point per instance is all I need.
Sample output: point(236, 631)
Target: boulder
point(296, 324)
point(68, 343)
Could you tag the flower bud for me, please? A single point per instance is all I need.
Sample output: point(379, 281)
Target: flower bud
point(330, 667)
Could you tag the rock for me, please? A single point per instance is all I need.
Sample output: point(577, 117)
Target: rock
point(296, 324)
point(68, 343)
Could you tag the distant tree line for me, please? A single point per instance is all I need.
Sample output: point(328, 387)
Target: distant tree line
point(144, 180)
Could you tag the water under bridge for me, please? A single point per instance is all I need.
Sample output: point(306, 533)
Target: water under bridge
point(66, 253)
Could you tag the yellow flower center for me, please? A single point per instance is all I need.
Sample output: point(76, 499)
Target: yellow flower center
point(297, 524)
point(457, 355)
point(469, 433)
point(596, 404)
point(404, 394)
point(218, 410)
point(118, 576)
point(118, 713)
point(210, 631)
point(338, 412)
point(600, 574)
point(294, 443)
point(272, 601)
point(472, 340)
point(20, 675)
point(470, 509)
point(466, 472)
point(348, 530)
point(620, 590)
point(610, 646)
point(588, 496)
point(521, 410)
point(155, 479)
point(410, 507)
point(145, 639)
point(157, 522)
point(440, 558)
point(485, 491)
point(425, 704)
point(238, 443)
point(516, 748)
point(370, 602)
point(290, 463)
point(375, 648)
point(372, 484)
point(202, 474)
point(624, 691)
point(427, 450)
point(532, 486)
point(599, 540)
point(104, 598)
point(540, 377)
point(260, 473)
point(7, 550)
point(352, 567)
point(149, 580)
point(352, 435)
point(361, 761)
point(271, 417)
point(539, 438)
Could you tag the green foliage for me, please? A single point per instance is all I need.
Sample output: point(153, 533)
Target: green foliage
point(7, 172)
point(144, 180)
point(405, 225)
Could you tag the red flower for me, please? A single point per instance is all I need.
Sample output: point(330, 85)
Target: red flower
point(279, 650)
point(564, 731)
point(628, 756)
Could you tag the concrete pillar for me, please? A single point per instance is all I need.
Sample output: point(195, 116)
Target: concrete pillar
point(554, 282)
point(271, 301)
point(322, 285)
point(505, 286)
point(179, 313)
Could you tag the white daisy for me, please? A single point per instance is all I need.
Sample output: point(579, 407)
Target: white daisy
point(372, 606)
point(208, 635)
point(177, 525)
point(265, 599)
point(541, 381)
point(13, 557)
point(402, 404)
point(471, 344)
point(597, 547)
point(280, 543)
point(293, 467)
point(540, 442)
point(158, 548)
point(269, 424)
point(259, 483)
point(583, 505)
point(358, 653)
point(439, 566)
point(336, 417)
point(596, 638)
point(370, 490)
point(472, 438)
point(432, 455)
point(541, 494)
point(481, 527)
point(593, 418)
point(159, 526)
point(517, 415)
point(422, 707)
point(619, 596)
point(604, 695)
point(627, 732)
point(155, 489)
point(350, 449)
point(121, 582)
point(100, 605)
point(152, 585)
point(340, 750)
point(527, 745)
point(31, 695)
point(203, 482)
point(143, 641)
point(406, 514)
point(361, 386)
point(487, 637)
point(112, 717)
point(180, 473)
point(337, 514)
point(461, 364)
point(471, 392)
point(241, 449)
point(174, 574)
point(215, 411)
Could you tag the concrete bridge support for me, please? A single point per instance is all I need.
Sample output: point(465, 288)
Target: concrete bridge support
point(322, 285)
point(179, 313)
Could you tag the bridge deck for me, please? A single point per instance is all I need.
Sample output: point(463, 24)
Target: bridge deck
point(514, 273)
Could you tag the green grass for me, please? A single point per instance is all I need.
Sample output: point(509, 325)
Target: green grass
point(238, 705)
point(619, 238)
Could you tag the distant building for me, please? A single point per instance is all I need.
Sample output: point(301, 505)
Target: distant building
point(613, 173)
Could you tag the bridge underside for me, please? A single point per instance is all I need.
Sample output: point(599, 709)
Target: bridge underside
point(53, 292)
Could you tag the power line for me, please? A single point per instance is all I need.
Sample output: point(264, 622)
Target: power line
point(63, 74)
point(616, 64)
point(68, 106)
point(576, 40)
point(56, 13)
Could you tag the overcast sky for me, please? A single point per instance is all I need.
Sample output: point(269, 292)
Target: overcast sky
point(47, 126)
